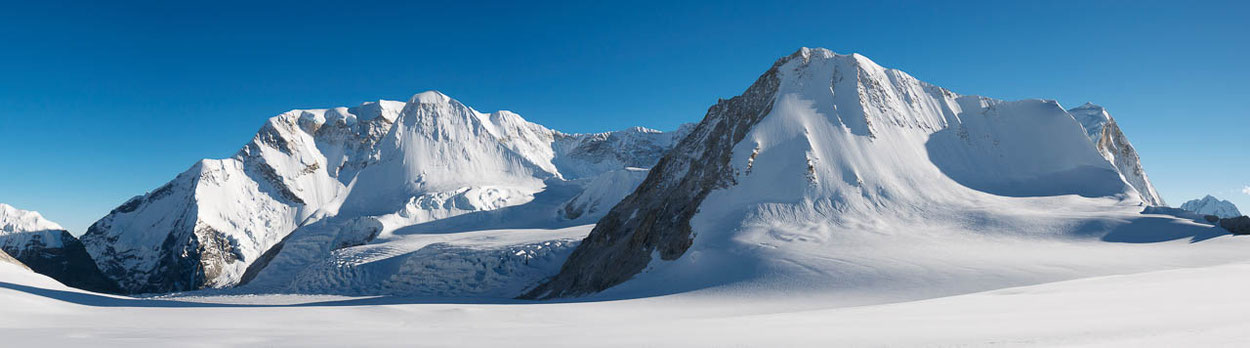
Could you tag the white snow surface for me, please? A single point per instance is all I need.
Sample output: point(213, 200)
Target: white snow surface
point(18, 228)
point(1202, 306)
point(1210, 205)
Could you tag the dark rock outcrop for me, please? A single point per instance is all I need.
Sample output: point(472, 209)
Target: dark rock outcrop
point(68, 263)
point(5, 258)
point(655, 219)
point(1239, 225)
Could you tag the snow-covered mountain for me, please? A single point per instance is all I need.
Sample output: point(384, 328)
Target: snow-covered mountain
point(831, 170)
point(344, 177)
point(49, 249)
point(1210, 205)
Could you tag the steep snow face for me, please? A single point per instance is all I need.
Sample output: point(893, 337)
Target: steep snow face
point(1115, 147)
point(441, 148)
point(1210, 205)
point(826, 152)
point(48, 249)
point(602, 192)
point(350, 176)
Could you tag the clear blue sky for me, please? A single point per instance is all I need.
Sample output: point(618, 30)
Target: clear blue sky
point(100, 102)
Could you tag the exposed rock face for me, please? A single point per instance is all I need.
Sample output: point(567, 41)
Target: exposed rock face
point(656, 217)
point(1238, 225)
point(1210, 205)
point(48, 249)
point(4, 257)
point(1116, 148)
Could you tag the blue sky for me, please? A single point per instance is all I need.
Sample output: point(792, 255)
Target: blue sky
point(100, 102)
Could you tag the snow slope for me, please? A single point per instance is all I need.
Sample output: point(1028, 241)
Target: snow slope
point(1181, 307)
point(834, 172)
point(364, 171)
point(1210, 205)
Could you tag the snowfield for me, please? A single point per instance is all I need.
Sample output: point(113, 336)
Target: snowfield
point(1182, 307)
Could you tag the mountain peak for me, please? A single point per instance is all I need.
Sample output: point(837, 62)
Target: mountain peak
point(1089, 105)
point(807, 54)
point(1090, 112)
point(1210, 205)
point(430, 97)
point(17, 220)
